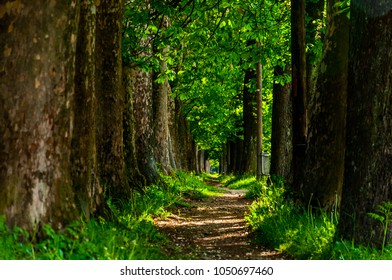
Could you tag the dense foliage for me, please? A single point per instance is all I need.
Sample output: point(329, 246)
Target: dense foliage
point(212, 44)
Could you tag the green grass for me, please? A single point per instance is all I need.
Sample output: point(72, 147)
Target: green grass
point(129, 235)
point(194, 186)
point(280, 222)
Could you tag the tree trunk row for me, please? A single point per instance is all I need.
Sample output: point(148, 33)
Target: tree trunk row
point(76, 126)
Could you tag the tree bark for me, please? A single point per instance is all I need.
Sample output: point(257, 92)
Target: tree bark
point(282, 123)
point(299, 93)
point(259, 105)
point(250, 124)
point(142, 109)
point(368, 165)
point(110, 99)
point(88, 192)
point(134, 176)
point(314, 36)
point(161, 91)
point(37, 45)
point(324, 165)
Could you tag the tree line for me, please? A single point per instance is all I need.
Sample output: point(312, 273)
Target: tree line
point(99, 97)
point(78, 125)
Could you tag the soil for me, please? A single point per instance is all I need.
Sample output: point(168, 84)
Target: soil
point(214, 229)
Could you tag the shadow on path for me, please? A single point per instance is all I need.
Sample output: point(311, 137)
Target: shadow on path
point(214, 229)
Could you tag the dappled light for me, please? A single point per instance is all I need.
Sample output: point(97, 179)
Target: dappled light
point(215, 229)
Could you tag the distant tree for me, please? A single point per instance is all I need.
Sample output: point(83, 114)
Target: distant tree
point(368, 164)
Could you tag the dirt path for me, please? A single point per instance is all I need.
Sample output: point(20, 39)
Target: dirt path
point(214, 229)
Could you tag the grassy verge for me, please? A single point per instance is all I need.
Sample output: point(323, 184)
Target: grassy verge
point(282, 223)
point(130, 234)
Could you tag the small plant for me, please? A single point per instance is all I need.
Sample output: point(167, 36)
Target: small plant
point(384, 216)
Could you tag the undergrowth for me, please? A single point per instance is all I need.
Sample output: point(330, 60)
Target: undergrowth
point(278, 221)
point(130, 234)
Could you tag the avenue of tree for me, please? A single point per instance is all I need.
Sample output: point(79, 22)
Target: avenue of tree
point(98, 98)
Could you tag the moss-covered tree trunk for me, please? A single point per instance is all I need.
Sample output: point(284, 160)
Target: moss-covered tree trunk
point(37, 62)
point(368, 165)
point(324, 165)
point(282, 123)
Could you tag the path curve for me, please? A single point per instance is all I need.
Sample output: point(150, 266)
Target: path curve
point(214, 229)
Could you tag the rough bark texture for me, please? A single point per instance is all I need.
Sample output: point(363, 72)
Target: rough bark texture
point(324, 165)
point(368, 164)
point(110, 99)
point(250, 124)
point(142, 109)
point(134, 177)
point(86, 185)
point(161, 91)
point(37, 46)
point(299, 93)
point(282, 123)
point(183, 148)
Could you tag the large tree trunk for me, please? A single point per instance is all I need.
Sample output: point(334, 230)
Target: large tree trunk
point(299, 93)
point(110, 99)
point(250, 124)
point(368, 165)
point(134, 176)
point(282, 123)
point(86, 185)
point(37, 46)
point(324, 165)
point(161, 91)
point(142, 108)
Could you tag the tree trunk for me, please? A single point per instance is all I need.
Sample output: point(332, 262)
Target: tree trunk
point(282, 123)
point(38, 44)
point(324, 165)
point(368, 165)
point(250, 124)
point(299, 93)
point(181, 138)
point(161, 91)
point(134, 176)
point(314, 37)
point(88, 192)
point(259, 105)
point(110, 99)
point(142, 108)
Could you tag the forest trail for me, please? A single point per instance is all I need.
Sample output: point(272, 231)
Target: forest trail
point(214, 229)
